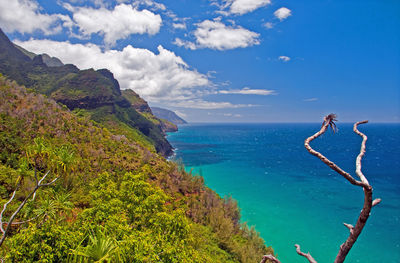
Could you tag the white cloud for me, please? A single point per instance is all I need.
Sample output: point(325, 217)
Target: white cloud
point(24, 16)
point(154, 5)
point(241, 7)
point(115, 24)
point(282, 13)
point(186, 44)
point(248, 91)
point(268, 25)
point(238, 7)
point(207, 105)
point(179, 25)
point(162, 77)
point(216, 35)
point(311, 99)
point(284, 58)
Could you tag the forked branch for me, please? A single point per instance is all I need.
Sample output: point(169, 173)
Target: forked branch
point(13, 216)
point(307, 256)
point(355, 231)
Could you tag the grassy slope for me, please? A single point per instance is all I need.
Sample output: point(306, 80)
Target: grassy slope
point(149, 207)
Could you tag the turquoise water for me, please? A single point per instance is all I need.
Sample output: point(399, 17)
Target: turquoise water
point(289, 195)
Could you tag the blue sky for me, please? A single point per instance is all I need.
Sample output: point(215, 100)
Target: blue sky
point(229, 60)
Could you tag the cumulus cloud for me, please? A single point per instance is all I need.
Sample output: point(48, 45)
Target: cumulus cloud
point(284, 58)
point(24, 16)
point(161, 78)
point(115, 24)
point(238, 7)
point(216, 35)
point(248, 91)
point(282, 13)
point(156, 77)
point(241, 7)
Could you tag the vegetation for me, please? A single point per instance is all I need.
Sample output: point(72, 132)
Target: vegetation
point(115, 200)
point(143, 108)
point(95, 91)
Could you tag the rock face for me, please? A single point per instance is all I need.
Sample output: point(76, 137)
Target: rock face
point(168, 115)
point(51, 61)
point(143, 107)
point(136, 101)
point(95, 91)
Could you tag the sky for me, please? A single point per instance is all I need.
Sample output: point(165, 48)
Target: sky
point(229, 60)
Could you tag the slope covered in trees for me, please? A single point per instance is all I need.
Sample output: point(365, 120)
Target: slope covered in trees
point(95, 94)
point(115, 199)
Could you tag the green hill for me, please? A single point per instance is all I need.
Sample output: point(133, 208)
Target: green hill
point(95, 94)
point(141, 106)
point(115, 200)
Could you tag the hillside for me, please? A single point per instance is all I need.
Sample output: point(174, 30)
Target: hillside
point(95, 94)
point(142, 107)
point(167, 115)
point(113, 195)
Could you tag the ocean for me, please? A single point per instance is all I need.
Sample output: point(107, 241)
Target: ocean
point(290, 196)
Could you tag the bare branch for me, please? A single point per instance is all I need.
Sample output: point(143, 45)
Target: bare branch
point(52, 182)
point(38, 184)
point(26, 221)
point(332, 165)
point(368, 203)
point(307, 256)
point(376, 201)
point(270, 258)
point(13, 216)
point(349, 226)
point(355, 231)
point(4, 209)
point(362, 152)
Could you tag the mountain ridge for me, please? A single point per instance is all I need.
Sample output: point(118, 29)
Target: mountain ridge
point(96, 92)
point(168, 115)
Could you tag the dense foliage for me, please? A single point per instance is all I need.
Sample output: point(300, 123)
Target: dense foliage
point(116, 200)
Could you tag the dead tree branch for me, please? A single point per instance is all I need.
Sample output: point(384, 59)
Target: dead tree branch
point(307, 256)
point(13, 216)
point(270, 258)
point(355, 231)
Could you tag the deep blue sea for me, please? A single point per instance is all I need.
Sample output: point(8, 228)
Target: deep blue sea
point(290, 196)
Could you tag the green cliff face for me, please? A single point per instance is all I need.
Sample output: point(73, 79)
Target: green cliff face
point(96, 93)
point(167, 115)
point(141, 106)
point(115, 199)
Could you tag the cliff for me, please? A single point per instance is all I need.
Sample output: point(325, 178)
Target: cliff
point(168, 115)
point(143, 107)
point(96, 94)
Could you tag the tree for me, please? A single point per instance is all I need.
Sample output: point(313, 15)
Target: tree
point(355, 231)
